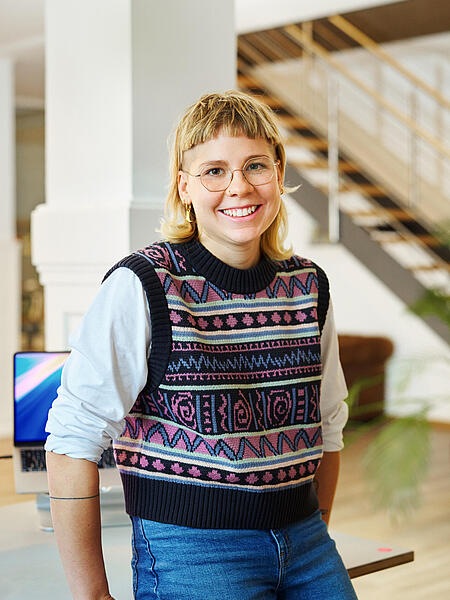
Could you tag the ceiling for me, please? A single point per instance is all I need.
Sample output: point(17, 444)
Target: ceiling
point(22, 35)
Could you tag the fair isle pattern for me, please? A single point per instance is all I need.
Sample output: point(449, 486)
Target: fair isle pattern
point(238, 404)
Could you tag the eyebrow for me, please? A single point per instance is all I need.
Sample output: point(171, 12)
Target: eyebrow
point(224, 162)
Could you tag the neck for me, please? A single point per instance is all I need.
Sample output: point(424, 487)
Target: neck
point(223, 275)
point(237, 256)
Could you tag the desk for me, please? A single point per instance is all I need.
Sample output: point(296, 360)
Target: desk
point(30, 566)
point(362, 556)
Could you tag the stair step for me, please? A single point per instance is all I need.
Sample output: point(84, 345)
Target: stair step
point(292, 121)
point(300, 141)
point(396, 213)
point(344, 166)
point(391, 237)
point(434, 267)
point(367, 188)
point(247, 81)
point(364, 188)
point(269, 100)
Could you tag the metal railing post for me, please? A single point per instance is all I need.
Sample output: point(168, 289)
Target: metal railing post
point(308, 57)
point(333, 157)
point(413, 192)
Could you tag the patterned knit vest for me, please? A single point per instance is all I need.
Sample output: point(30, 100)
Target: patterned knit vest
point(226, 432)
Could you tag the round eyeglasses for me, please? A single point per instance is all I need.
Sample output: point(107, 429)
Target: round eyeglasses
point(256, 171)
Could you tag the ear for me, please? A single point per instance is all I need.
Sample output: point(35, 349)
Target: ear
point(182, 187)
point(280, 178)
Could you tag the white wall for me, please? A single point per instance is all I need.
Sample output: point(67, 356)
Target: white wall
point(364, 305)
point(9, 247)
point(254, 15)
point(88, 129)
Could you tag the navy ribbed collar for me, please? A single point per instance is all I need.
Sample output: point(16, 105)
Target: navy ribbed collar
point(237, 281)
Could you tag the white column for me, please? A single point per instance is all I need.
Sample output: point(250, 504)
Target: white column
point(9, 247)
point(118, 74)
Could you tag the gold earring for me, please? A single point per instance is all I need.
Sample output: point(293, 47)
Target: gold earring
point(188, 208)
point(281, 190)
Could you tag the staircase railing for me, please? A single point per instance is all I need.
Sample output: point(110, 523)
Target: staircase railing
point(336, 70)
point(301, 42)
point(369, 44)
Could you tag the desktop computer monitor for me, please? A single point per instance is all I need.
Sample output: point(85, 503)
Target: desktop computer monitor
point(37, 376)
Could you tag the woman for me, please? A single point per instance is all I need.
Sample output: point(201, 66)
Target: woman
point(205, 357)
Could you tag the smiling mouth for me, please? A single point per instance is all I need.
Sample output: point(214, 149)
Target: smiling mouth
point(241, 212)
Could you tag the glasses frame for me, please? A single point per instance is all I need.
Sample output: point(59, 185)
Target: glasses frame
point(232, 171)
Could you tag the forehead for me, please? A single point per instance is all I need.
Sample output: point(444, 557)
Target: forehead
point(228, 148)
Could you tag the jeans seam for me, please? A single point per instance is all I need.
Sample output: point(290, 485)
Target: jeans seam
point(280, 560)
point(135, 560)
point(152, 566)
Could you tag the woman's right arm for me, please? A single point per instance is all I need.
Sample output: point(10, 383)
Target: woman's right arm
point(100, 383)
point(75, 508)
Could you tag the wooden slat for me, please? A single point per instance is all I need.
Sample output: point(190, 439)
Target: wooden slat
point(247, 81)
point(329, 36)
point(364, 188)
point(392, 237)
point(243, 67)
point(348, 167)
point(250, 52)
point(344, 166)
point(304, 142)
point(397, 213)
point(269, 100)
point(292, 121)
point(435, 267)
point(292, 49)
point(266, 45)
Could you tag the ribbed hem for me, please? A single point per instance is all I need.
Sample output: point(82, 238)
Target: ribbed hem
point(216, 508)
point(159, 311)
point(237, 281)
point(323, 299)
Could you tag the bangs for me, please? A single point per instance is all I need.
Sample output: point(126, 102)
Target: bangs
point(233, 115)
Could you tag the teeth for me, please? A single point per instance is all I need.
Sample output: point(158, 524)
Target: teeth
point(240, 212)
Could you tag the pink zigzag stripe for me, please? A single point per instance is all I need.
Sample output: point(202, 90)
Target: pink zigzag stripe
point(232, 442)
point(198, 286)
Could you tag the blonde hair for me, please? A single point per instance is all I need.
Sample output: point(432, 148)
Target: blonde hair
point(235, 113)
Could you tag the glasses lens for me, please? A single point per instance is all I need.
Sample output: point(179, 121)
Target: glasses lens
point(258, 171)
point(215, 179)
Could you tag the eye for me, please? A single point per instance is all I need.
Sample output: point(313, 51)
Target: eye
point(213, 172)
point(258, 165)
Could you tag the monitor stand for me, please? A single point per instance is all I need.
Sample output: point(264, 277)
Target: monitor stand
point(112, 507)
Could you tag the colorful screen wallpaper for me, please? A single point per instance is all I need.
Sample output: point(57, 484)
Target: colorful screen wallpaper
point(37, 376)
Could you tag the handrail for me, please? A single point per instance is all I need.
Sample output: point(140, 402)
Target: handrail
point(400, 230)
point(298, 35)
point(369, 44)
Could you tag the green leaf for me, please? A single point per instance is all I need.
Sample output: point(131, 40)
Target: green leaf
point(396, 462)
point(357, 387)
point(433, 302)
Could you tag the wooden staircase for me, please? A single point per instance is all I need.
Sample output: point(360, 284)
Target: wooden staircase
point(364, 203)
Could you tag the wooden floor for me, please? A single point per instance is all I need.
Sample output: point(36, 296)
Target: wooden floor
point(427, 532)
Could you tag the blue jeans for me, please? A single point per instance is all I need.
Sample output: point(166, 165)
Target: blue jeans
point(298, 562)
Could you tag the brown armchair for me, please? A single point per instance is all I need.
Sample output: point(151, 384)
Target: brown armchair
point(365, 356)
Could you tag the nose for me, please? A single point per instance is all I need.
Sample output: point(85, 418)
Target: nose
point(238, 183)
